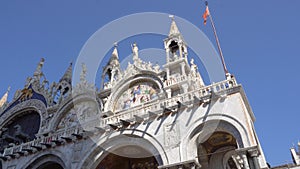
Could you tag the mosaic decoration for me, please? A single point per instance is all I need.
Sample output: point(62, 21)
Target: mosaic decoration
point(137, 94)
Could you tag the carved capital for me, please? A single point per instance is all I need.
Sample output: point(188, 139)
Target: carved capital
point(253, 152)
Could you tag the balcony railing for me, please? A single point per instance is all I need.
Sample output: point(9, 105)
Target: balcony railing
point(69, 134)
point(157, 105)
point(41, 143)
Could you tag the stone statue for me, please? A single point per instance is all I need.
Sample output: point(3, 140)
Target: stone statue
point(194, 68)
point(135, 51)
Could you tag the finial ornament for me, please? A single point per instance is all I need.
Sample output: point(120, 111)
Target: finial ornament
point(172, 17)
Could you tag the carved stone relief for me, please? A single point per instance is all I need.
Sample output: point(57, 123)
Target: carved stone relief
point(80, 113)
point(172, 136)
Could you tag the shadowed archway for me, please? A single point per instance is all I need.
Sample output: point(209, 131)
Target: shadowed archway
point(48, 161)
point(218, 151)
point(128, 157)
point(50, 165)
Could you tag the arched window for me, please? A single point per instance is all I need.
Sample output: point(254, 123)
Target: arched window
point(50, 165)
point(21, 128)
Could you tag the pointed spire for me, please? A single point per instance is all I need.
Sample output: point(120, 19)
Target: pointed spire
point(3, 100)
point(115, 51)
point(68, 74)
point(114, 59)
point(173, 29)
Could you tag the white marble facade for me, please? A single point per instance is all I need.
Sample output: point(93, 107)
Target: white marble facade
point(149, 116)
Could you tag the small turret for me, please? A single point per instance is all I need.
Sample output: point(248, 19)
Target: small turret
point(112, 69)
point(64, 86)
point(176, 52)
point(177, 68)
point(174, 31)
point(175, 45)
point(68, 74)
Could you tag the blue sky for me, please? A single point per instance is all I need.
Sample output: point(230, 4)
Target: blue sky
point(260, 42)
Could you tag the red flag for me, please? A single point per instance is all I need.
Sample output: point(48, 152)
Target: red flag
point(205, 15)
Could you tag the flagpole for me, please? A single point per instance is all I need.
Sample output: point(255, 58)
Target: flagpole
point(217, 41)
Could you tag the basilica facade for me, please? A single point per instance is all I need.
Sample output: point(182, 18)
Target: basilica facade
point(144, 117)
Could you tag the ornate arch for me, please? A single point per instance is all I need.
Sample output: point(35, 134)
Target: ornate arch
point(69, 104)
point(175, 39)
point(200, 131)
point(20, 108)
point(143, 76)
point(44, 158)
point(221, 126)
point(105, 146)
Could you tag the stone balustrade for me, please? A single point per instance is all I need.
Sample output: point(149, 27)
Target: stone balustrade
point(142, 111)
point(42, 142)
point(175, 80)
point(155, 106)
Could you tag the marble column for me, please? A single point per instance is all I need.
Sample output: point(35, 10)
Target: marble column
point(245, 159)
point(182, 68)
point(180, 50)
point(168, 73)
point(167, 55)
point(254, 154)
